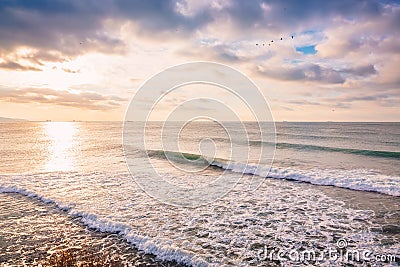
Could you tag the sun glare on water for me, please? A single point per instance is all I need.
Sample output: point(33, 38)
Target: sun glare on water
point(62, 146)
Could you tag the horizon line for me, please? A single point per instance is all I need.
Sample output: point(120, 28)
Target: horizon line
point(122, 121)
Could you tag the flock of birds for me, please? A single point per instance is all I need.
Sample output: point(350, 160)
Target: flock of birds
point(271, 41)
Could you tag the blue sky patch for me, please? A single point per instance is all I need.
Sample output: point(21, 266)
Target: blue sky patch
point(307, 50)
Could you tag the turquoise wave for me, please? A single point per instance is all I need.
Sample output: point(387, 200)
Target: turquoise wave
point(364, 152)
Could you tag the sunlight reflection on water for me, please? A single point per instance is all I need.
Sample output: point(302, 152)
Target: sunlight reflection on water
point(62, 146)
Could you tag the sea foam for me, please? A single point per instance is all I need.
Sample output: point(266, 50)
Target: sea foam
point(359, 179)
point(158, 248)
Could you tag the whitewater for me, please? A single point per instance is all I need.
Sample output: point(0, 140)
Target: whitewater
point(309, 198)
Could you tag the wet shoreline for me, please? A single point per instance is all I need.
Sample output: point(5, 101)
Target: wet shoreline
point(34, 229)
point(33, 233)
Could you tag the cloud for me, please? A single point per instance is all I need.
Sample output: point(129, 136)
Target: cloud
point(348, 100)
point(307, 72)
point(158, 16)
point(82, 100)
point(358, 50)
point(58, 29)
point(9, 65)
point(361, 97)
point(74, 26)
point(303, 102)
point(55, 30)
point(315, 72)
point(294, 16)
point(70, 71)
point(212, 52)
point(362, 71)
point(363, 34)
point(367, 97)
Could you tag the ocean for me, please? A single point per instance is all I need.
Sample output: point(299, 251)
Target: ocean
point(332, 192)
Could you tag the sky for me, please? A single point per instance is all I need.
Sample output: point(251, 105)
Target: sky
point(84, 60)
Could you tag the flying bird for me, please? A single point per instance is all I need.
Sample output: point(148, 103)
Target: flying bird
point(263, 44)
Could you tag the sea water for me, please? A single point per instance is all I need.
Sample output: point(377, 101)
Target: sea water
point(328, 183)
